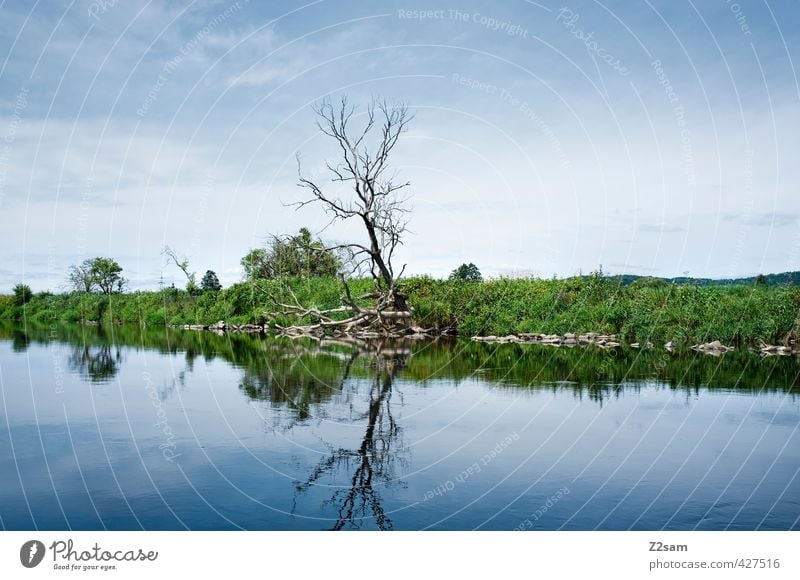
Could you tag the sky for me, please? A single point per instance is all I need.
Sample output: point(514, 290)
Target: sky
point(655, 138)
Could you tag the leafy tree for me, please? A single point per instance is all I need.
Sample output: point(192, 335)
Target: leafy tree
point(467, 273)
point(107, 274)
point(761, 280)
point(210, 282)
point(299, 256)
point(102, 273)
point(22, 294)
point(302, 256)
point(256, 264)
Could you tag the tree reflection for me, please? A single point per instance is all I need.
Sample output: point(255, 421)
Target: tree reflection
point(100, 364)
point(20, 340)
point(299, 376)
point(372, 463)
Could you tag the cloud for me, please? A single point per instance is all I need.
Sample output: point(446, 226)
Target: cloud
point(53, 160)
point(662, 228)
point(629, 268)
point(776, 219)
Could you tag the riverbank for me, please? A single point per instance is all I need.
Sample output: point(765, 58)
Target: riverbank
point(636, 313)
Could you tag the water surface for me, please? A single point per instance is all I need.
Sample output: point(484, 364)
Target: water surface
point(129, 428)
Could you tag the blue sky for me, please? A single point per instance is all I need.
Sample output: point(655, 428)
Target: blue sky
point(653, 138)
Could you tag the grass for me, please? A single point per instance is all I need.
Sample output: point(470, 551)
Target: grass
point(644, 310)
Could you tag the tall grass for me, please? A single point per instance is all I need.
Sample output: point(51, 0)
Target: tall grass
point(637, 312)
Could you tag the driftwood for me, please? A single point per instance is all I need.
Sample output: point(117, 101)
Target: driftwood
point(714, 348)
point(378, 320)
point(568, 339)
point(774, 350)
point(609, 341)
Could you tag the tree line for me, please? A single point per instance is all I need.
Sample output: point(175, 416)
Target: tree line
point(290, 256)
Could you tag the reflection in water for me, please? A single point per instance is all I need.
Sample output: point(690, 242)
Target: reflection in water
point(354, 396)
point(98, 364)
point(19, 340)
point(372, 463)
point(299, 377)
point(304, 376)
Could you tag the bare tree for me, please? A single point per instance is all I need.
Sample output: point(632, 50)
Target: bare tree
point(376, 201)
point(183, 266)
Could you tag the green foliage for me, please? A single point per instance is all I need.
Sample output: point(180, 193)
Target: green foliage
point(467, 273)
point(256, 264)
point(644, 311)
point(192, 289)
point(8, 307)
point(298, 372)
point(687, 313)
point(297, 256)
point(649, 283)
point(210, 282)
point(782, 279)
point(107, 274)
point(102, 273)
point(22, 294)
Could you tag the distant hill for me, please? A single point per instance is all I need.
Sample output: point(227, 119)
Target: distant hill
point(782, 279)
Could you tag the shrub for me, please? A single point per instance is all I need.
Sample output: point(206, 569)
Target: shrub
point(22, 294)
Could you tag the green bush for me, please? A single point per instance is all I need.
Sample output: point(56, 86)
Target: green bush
point(22, 294)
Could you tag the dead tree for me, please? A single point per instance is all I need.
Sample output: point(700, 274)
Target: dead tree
point(183, 266)
point(376, 201)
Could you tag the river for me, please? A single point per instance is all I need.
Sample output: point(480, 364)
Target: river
point(127, 428)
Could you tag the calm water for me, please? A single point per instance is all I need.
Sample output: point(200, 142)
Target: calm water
point(122, 428)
